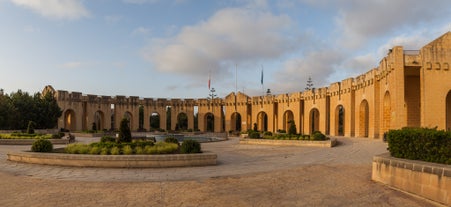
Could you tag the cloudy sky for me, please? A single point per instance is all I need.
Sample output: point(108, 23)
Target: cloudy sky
point(168, 48)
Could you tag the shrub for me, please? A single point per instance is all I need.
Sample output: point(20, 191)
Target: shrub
point(190, 146)
point(42, 145)
point(267, 134)
point(30, 128)
point(94, 150)
point(281, 131)
point(104, 151)
point(139, 150)
point(317, 135)
point(292, 128)
point(115, 151)
point(424, 144)
point(107, 139)
point(127, 150)
point(165, 147)
point(253, 134)
point(171, 140)
point(125, 135)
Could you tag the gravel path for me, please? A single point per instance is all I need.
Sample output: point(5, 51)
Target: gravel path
point(246, 175)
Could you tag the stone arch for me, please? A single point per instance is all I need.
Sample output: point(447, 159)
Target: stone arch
point(448, 111)
point(287, 117)
point(262, 121)
point(99, 120)
point(129, 117)
point(364, 119)
point(154, 121)
point(386, 116)
point(236, 121)
point(209, 122)
point(339, 120)
point(69, 120)
point(182, 121)
point(314, 120)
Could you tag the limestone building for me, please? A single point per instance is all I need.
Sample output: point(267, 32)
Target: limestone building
point(409, 88)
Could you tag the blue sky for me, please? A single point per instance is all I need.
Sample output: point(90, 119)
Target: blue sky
point(168, 48)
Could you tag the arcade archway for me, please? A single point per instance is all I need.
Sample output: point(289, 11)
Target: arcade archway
point(314, 120)
point(236, 122)
point(364, 119)
point(69, 120)
point(262, 121)
point(287, 117)
point(209, 122)
point(339, 120)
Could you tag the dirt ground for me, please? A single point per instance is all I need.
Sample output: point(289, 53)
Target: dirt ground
point(274, 176)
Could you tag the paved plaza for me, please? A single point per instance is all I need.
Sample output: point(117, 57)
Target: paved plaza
point(246, 175)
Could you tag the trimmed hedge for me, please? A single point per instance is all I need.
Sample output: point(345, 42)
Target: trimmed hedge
point(42, 145)
point(424, 144)
point(190, 146)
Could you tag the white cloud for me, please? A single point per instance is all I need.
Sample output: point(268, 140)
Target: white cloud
point(360, 20)
point(141, 31)
point(318, 65)
point(139, 1)
point(230, 36)
point(113, 19)
point(59, 9)
point(73, 65)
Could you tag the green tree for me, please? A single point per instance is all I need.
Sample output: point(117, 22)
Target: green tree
point(125, 135)
point(25, 109)
point(6, 112)
point(49, 111)
point(292, 129)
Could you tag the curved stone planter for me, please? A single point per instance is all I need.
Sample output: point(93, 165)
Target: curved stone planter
point(29, 141)
point(428, 180)
point(115, 161)
point(300, 143)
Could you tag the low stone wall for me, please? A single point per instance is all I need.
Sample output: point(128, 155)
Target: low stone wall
point(29, 141)
point(301, 143)
point(428, 180)
point(115, 161)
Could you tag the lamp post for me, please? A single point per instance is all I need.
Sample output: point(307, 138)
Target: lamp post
point(211, 98)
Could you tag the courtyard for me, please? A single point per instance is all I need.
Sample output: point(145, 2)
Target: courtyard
point(246, 175)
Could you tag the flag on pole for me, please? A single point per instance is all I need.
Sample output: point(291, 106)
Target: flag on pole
point(261, 81)
point(209, 79)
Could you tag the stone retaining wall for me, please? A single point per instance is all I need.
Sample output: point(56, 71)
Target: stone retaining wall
point(301, 143)
point(29, 141)
point(428, 180)
point(115, 161)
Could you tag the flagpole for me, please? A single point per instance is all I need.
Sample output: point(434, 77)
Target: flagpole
point(236, 83)
point(261, 81)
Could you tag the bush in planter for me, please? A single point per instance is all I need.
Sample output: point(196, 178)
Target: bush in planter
point(317, 136)
point(292, 129)
point(253, 134)
point(267, 133)
point(107, 139)
point(42, 145)
point(125, 135)
point(30, 128)
point(171, 140)
point(190, 146)
point(424, 144)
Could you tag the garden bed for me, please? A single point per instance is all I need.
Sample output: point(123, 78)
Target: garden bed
point(29, 141)
point(115, 161)
point(278, 142)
